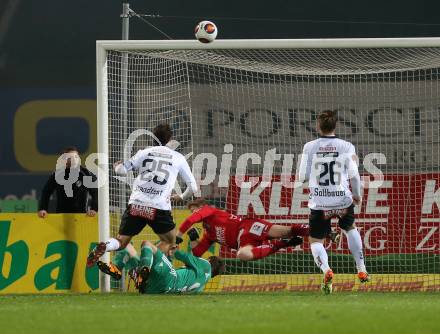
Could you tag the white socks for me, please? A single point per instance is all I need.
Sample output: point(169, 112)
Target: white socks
point(112, 244)
point(320, 256)
point(355, 246)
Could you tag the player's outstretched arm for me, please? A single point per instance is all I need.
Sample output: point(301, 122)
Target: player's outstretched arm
point(353, 174)
point(303, 171)
point(195, 218)
point(202, 246)
point(183, 257)
point(123, 167)
point(188, 259)
point(190, 181)
point(193, 235)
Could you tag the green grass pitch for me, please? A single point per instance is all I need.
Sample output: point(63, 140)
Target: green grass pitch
point(222, 313)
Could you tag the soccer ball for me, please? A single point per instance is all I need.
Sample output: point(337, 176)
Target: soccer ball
point(206, 31)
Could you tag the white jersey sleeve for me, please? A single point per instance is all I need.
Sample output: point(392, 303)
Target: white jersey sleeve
point(188, 178)
point(304, 166)
point(353, 171)
point(135, 162)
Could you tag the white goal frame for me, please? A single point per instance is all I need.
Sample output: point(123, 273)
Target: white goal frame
point(102, 76)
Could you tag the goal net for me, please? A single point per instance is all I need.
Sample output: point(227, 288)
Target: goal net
point(242, 111)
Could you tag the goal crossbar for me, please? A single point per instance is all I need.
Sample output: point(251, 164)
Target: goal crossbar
point(324, 43)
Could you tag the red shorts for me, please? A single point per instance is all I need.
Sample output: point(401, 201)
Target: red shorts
point(253, 232)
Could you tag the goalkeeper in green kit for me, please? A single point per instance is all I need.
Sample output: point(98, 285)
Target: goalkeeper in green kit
point(156, 275)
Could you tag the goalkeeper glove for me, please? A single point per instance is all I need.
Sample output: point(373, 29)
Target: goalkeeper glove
point(193, 234)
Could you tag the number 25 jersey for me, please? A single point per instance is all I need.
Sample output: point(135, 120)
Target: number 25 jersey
point(157, 167)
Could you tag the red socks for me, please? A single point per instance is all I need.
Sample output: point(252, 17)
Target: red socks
point(263, 251)
point(272, 246)
point(268, 248)
point(300, 230)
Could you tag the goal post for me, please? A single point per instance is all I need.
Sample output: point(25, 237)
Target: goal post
point(102, 141)
point(241, 111)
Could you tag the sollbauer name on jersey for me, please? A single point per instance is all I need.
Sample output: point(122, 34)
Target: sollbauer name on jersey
point(328, 193)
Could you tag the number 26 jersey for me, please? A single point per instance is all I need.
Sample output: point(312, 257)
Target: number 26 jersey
point(328, 163)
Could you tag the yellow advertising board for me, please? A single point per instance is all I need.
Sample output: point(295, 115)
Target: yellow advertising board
point(311, 282)
point(47, 255)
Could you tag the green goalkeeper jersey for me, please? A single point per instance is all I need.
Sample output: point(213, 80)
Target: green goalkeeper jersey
point(163, 278)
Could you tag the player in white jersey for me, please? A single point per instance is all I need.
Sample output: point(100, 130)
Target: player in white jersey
point(329, 164)
point(150, 200)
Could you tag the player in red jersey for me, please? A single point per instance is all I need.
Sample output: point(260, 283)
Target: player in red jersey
point(253, 238)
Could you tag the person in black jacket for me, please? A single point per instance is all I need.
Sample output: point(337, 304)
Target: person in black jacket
point(78, 201)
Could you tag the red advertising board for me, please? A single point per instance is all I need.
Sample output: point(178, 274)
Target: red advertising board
point(400, 216)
